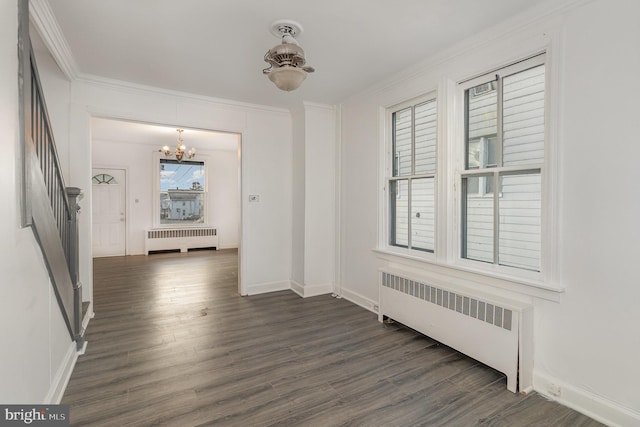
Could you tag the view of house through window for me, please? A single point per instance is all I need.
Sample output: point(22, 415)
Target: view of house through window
point(412, 184)
point(498, 181)
point(504, 150)
point(182, 192)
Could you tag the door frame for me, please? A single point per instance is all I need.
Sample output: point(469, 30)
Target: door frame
point(126, 200)
point(129, 117)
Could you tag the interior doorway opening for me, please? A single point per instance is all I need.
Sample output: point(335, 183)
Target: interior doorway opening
point(202, 192)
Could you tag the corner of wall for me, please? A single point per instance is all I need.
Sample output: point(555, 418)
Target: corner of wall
point(584, 401)
point(307, 291)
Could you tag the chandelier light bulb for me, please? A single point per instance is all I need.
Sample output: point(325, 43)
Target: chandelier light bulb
point(180, 149)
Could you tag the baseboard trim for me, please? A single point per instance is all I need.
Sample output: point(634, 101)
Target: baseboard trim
point(220, 247)
point(297, 288)
point(63, 374)
point(360, 300)
point(263, 288)
point(306, 291)
point(596, 407)
point(88, 316)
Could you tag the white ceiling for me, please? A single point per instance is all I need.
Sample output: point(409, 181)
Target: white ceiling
point(155, 135)
point(216, 48)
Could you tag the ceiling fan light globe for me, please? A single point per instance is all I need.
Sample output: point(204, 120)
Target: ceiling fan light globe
point(287, 78)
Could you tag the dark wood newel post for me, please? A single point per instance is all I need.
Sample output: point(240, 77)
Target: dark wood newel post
point(74, 194)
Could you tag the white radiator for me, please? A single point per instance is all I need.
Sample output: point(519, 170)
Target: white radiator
point(494, 331)
point(180, 238)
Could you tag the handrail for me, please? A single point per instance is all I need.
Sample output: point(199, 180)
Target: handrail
point(48, 206)
point(45, 149)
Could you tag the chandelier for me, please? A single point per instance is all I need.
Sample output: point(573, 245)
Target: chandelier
point(180, 150)
point(286, 61)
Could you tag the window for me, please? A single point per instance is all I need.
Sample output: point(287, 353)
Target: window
point(182, 192)
point(501, 181)
point(412, 181)
point(490, 180)
point(103, 178)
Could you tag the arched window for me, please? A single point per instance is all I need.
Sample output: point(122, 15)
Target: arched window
point(103, 178)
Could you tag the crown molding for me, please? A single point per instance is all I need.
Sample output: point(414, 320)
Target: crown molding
point(131, 87)
point(45, 23)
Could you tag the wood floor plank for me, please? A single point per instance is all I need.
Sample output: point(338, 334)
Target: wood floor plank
point(172, 343)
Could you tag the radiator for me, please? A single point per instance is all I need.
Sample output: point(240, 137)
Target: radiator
point(180, 238)
point(496, 332)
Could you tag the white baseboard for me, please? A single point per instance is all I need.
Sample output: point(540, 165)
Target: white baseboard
point(306, 291)
point(88, 316)
point(592, 405)
point(360, 300)
point(297, 288)
point(262, 288)
point(63, 374)
point(234, 246)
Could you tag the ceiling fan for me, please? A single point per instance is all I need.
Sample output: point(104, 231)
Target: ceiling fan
point(287, 69)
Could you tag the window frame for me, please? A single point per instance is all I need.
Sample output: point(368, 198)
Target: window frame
point(156, 193)
point(388, 161)
point(538, 278)
point(446, 260)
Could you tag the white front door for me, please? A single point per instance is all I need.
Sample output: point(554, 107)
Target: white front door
point(109, 212)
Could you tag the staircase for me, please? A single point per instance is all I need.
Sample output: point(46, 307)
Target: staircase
point(48, 206)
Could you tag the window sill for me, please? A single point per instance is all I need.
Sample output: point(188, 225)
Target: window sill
point(474, 277)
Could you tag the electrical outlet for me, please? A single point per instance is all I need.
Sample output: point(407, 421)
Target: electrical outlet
point(376, 308)
point(554, 389)
point(254, 198)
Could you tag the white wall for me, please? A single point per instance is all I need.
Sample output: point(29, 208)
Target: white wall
point(588, 342)
point(319, 196)
point(224, 206)
point(314, 196)
point(266, 166)
point(266, 226)
point(359, 202)
point(599, 250)
point(36, 347)
point(223, 198)
point(297, 196)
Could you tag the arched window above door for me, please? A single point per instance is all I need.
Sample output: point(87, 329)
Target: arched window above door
point(103, 178)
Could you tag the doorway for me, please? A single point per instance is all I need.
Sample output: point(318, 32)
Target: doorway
point(109, 212)
point(145, 180)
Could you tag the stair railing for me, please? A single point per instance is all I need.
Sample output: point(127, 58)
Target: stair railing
point(48, 206)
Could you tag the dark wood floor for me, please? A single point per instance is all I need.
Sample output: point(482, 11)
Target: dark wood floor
point(172, 343)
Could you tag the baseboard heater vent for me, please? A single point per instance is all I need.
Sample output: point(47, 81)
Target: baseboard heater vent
point(180, 238)
point(467, 306)
point(495, 331)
